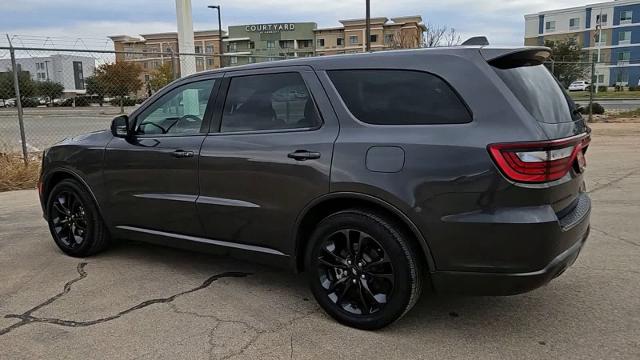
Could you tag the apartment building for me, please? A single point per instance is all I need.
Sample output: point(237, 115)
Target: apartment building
point(153, 50)
point(267, 42)
point(396, 33)
point(608, 32)
point(68, 70)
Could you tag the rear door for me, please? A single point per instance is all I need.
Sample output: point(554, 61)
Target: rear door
point(152, 178)
point(267, 156)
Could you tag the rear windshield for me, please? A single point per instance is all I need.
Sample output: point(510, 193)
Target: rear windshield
point(539, 93)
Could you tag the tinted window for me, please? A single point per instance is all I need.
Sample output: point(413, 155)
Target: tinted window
point(268, 102)
point(180, 111)
point(399, 97)
point(539, 93)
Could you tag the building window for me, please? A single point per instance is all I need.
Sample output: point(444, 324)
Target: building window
point(251, 59)
point(320, 42)
point(624, 56)
point(198, 49)
point(373, 38)
point(574, 24)
point(340, 41)
point(622, 77)
point(603, 20)
point(251, 45)
point(270, 58)
point(600, 79)
point(199, 64)
point(388, 39)
point(304, 43)
point(78, 75)
point(626, 17)
point(353, 39)
point(600, 41)
point(233, 47)
point(234, 60)
point(209, 49)
point(147, 77)
point(271, 44)
point(550, 26)
point(624, 37)
point(209, 61)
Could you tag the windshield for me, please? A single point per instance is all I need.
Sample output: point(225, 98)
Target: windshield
point(539, 93)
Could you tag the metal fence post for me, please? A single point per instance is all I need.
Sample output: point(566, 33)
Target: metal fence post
point(593, 71)
point(16, 86)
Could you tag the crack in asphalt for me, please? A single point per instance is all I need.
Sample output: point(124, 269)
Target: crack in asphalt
point(27, 317)
point(615, 237)
point(614, 181)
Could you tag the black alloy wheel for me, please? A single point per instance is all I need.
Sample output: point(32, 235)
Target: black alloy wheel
point(363, 270)
point(355, 272)
point(69, 219)
point(74, 220)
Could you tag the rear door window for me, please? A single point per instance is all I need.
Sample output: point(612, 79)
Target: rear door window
point(399, 97)
point(268, 102)
point(539, 93)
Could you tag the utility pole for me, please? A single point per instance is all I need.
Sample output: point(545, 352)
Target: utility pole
point(217, 7)
point(16, 87)
point(368, 27)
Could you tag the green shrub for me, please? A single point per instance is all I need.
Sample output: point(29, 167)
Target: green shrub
point(634, 88)
point(603, 88)
point(30, 102)
point(597, 109)
point(126, 102)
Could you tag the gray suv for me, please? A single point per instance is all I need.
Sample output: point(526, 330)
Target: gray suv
point(456, 169)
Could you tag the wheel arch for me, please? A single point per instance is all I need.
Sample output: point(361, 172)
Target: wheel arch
point(52, 178)
point(334, 202)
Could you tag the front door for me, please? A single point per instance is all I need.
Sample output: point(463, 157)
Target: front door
point(152, 178)
point(267, 156)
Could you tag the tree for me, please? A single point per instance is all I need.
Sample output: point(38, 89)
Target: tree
point(95, 88)
point(567, 57)
point(441, 35)
point(26, 84)
point(405, 40)
point(161, 77)
point(120, 79)
point(50, 90)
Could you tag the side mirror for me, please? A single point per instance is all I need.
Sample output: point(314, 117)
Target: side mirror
point(120, 126)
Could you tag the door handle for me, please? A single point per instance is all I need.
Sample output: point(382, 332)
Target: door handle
point(182, 154)
point(302, 155)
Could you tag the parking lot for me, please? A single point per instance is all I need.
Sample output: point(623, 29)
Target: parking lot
point(143, 301)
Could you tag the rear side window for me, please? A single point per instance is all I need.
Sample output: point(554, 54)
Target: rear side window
point(399, 97)
point(268, 102)
point(539, 93)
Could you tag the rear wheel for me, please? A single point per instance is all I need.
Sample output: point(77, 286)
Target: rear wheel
point(74, 220)
point(362, 271)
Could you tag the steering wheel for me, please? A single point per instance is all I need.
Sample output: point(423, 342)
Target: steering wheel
point(190, 118)
point(164, 131)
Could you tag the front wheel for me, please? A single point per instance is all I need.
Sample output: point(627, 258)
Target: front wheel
point(362, 270)
point(74, 220)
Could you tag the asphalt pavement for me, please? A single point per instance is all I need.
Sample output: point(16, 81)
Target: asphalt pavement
point(149, 302)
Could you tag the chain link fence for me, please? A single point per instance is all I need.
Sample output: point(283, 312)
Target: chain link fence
point(59, 93)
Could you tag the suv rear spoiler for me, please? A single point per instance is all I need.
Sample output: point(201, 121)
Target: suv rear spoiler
point(511, 58)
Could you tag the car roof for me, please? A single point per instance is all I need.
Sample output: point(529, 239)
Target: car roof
point(319, 62)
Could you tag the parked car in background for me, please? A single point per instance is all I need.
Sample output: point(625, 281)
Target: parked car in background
point(8, 103)
point(580, 85)
point(377, 174)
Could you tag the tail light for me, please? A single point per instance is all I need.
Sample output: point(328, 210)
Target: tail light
point(542, 161)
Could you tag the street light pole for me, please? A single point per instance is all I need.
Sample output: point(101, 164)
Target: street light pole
point(217, 7)
point(368, 27)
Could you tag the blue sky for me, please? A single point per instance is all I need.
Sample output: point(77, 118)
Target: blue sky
point(501, 20)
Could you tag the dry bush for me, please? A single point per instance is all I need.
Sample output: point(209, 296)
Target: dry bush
point(15, 175)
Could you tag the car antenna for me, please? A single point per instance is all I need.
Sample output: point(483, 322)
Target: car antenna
point(476, 41)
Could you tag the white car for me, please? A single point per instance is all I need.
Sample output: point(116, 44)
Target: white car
point(579, 86)
point(8, 103)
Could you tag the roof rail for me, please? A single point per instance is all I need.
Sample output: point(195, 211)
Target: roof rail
point(476, 41)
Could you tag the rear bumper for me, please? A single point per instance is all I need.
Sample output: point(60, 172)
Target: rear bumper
point(515, 251)
point(477, 283)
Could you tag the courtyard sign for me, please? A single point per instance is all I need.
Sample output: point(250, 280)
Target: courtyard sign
point(270, 28)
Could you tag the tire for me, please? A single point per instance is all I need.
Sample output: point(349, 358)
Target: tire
point(385, 274)
point(74, 220)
